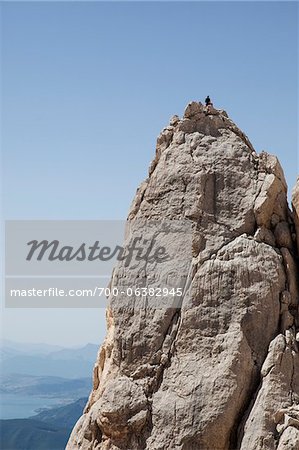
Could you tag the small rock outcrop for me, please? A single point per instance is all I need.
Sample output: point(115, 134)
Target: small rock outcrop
point(219, 370)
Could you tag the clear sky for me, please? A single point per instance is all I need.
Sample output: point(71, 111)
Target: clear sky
point(87, 87)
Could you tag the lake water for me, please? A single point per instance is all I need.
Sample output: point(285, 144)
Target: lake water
point(14, 406)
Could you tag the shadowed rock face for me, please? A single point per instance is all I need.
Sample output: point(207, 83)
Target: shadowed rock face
point(221, 370)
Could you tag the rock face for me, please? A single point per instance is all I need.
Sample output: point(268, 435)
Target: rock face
point(220, 371)
point(295, 203)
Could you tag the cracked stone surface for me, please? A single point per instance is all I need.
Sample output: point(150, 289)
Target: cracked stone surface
point(218, 369)
point(295, 203)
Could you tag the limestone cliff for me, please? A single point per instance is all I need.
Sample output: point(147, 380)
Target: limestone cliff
point(295, 203)
point(221, 370)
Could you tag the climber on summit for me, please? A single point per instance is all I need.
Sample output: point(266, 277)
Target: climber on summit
point(208, 101)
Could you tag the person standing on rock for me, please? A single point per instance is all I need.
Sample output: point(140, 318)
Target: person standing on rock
point(208, 101)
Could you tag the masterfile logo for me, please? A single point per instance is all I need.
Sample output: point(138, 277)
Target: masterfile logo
point(70, 263)
point(143, 248)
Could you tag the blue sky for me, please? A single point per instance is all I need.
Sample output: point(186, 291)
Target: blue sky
point(87, 87)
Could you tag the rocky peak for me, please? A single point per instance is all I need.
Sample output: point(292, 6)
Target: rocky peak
point(221, 370)
point(197, 118)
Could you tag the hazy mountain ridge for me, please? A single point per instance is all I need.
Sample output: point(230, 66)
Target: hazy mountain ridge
point(26, 347)
point(29, 434)
point(48, 430)
point(48, 362)
point(44, 386)
point(66, 415)
point(49, 372)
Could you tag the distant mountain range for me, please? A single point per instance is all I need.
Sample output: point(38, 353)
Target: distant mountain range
point(66, 415)
point(48, 430)
point(44, 386)
point(34, 377)
point(46, 360)
point(32, 348)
